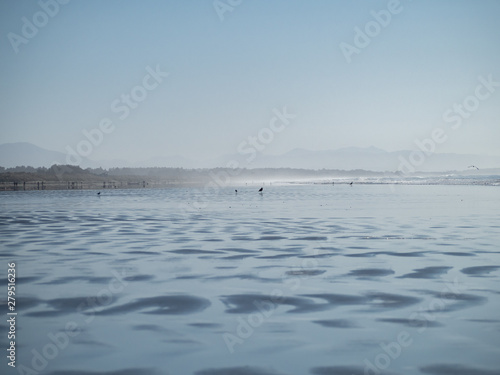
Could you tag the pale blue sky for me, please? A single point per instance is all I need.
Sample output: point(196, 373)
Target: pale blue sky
point(226, 77)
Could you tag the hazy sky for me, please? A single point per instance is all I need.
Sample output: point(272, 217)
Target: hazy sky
point(89, 63)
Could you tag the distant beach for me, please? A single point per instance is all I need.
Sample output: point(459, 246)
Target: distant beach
point(69, 177)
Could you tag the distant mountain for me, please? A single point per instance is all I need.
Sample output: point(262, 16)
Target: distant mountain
point(27, 154)
point(173, 161)
point(370, 158)
point(349, 158)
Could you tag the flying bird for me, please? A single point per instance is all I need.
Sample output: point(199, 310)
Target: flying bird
point(473, 166)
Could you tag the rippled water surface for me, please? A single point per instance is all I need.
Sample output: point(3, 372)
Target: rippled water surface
point(318, 279)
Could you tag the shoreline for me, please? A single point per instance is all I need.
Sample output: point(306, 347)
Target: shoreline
point(54, 185)
point(74, 178)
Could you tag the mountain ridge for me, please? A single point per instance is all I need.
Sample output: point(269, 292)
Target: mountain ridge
point(346, 158)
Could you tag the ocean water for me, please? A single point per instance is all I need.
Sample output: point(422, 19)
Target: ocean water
point(306, 279)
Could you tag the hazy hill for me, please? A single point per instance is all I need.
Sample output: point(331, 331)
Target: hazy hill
point(23, 153)
point(27, 154)
point(350, 158)
point(370, 158)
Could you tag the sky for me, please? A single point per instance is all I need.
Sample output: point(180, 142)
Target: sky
point(202, 79)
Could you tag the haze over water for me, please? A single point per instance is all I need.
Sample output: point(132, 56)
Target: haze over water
point(307, 279)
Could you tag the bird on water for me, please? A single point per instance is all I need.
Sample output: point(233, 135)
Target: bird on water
point(99, 193)
point(260, 190)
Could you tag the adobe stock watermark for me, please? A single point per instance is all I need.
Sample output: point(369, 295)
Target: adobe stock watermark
point(247, 326)
point(121, 107)
point(267, 305)
point(420, 319)
point(249, 148)
point(364, 36)
point(32, 25)
point(454, 117)
point(255, 144)
point(59, 341)
point(223, 6)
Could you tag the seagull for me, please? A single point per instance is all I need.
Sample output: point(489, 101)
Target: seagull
point(473, 166)
point(260, 190)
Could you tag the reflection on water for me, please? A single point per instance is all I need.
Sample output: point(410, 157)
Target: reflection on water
point(299, 280)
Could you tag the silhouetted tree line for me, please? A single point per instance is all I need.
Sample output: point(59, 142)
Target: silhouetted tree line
point(166, 174)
